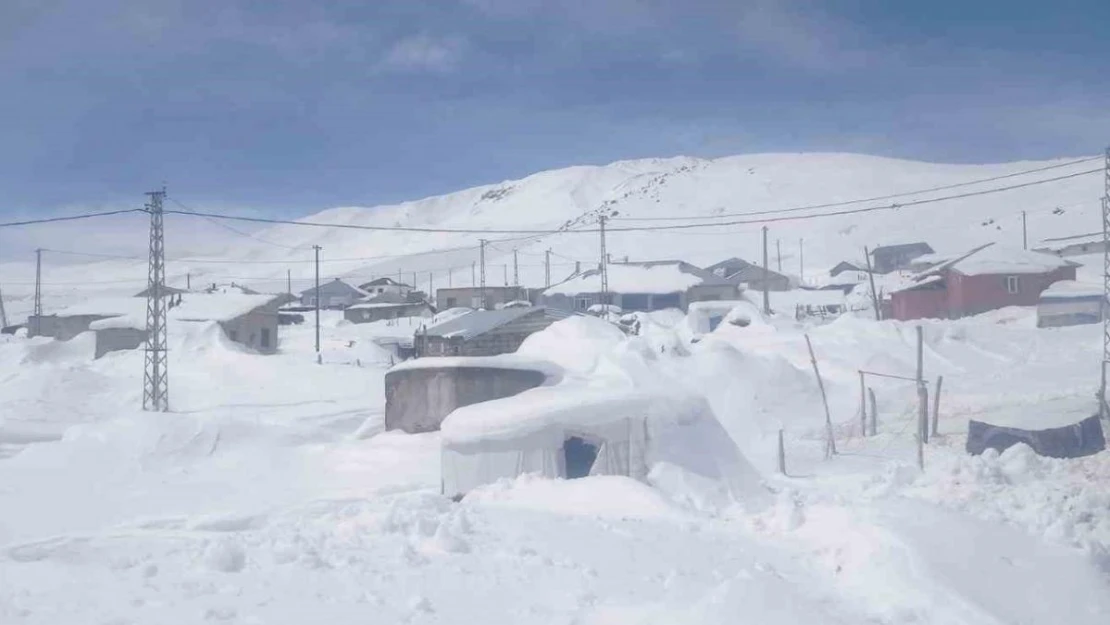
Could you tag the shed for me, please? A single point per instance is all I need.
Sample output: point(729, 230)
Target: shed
point(485, 332)
point(888, 258)
point(641, 287)
point(570, 431)
point(420, 393)
point(1069, 303)
point(1075, 245)
point(382, 286)
point(1061, 428)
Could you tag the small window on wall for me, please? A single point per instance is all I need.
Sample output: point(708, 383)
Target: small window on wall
point(1013, 286)
point(582, 303)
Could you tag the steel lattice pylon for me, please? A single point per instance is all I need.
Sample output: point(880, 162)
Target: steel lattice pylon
point(155, 375)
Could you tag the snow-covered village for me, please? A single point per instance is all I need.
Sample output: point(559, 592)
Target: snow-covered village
point(768, 386)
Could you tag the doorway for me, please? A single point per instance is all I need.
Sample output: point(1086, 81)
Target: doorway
point(579, 455)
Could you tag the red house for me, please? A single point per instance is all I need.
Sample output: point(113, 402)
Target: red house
point(987, 278)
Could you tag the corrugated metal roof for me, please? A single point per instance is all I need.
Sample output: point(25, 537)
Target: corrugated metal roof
point(480, 322)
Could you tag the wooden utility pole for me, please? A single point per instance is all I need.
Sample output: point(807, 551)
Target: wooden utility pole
point(801, 259)
point(482, 260)
point(782, 454)
point(871, 280)
point(936, 405)
point(1024, 233)
point(766, 293)
point(874, 412)
point(922, 391)
point(830, 441)
point(516, 270)
point(288, 282)
point(604, 268)
point(547, 268)
point(778, 253)
point(316, 248)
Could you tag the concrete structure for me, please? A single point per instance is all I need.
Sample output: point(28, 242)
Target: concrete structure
point(334, 295)
point(471, 297)
point(641, 287)
point(386, 306)
point(114, 339)
point(420, 394)
point(383, 286)
point(1068, 303)
point(250, 320)
point(742, 273)
point(72, 320)
point(485, 332)
point(987, 278)
point(888, 258)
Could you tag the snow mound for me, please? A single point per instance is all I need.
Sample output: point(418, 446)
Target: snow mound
point(607, 496)
point(575, 343)
point(48, 351)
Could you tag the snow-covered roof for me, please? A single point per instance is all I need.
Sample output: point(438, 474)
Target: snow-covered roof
point(370, 305)
point(105, 306)
point(551, 410)
point(383, 282)
point(502, 361)
point(998, 259)
point(1068, 289)
point(1075, 239)
point(217, 307)
point(655, 278)
point(927, 280)
point(479, 322)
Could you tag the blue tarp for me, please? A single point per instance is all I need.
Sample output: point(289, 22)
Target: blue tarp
point(1071, 441)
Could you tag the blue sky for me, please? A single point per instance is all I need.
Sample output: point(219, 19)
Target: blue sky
point(289, 107)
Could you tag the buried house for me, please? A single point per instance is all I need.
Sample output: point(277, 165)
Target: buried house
point(570, 431)
point(640, 287)
point(485, 332)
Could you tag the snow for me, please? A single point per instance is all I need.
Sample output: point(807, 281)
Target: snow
point(107, 306)
point(502, 361)
point(656, 279)
point(218, 307)
point(381, 305)
point(271, 494)
point(1071, 288)
point(1000, 259)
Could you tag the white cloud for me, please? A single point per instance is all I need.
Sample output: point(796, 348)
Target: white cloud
point(425, 53)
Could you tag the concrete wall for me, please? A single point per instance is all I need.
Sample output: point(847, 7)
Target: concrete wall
point(712, 292)
point(257, 330)
point(61, 328)
point(645, 302)
point(370, 315)
point(417, 400)
point(920, 303)
point(1057, 312)
point(118, 339)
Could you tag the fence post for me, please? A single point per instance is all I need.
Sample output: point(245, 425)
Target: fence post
point(862, 406)
point(922, 392)
point(830, 442)
point(936, 405)
point(782, 454)
point(920, 451)
point(874, 412)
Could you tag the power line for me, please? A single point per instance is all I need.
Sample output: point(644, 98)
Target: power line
point(871, 199)
point(50, 220)
point(686, 226)
point(235, 230)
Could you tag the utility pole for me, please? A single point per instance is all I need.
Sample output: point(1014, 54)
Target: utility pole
point(766, 282)
point(431, 286)
point(547, 268)
point(188, 281)
point(450, 277)
point(516, 270)
point(413, 285)
point(482, 261)
point(473, 279)
point(1024, 233)
point(801, 259)
point(37, 327)
point(316, 248)
point(871, 279)
point(289, 281)
point(1103, 409)
point(604, 268)
point(505, 273)
point(3, 313)
point(778, 253)
point(156, 384)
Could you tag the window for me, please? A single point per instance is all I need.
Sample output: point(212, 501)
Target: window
point(266, 338)
point(635, 301)
point(1012, 285)
point(582, 303)
point(670, 300)
point(452, 302)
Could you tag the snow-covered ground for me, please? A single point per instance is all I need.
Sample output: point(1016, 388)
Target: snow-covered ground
point(271, 495)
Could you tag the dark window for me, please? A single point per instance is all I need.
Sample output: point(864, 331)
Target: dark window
point(580, 456)
point(452, 302)
point(715, 321)
point(582, 303)
point(634, 301)
point(1013, 285)
point(266, 338)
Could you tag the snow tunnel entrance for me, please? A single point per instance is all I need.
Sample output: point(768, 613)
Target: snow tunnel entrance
point(579, 455)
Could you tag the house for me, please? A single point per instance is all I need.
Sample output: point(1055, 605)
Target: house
point(334, 295)
point(250, 320)
point(740, 272)
point(231, 287)
point(1069, 303)
point(568, 431)
point(647, 286)
point(485, 332)
point(987, 278)
point(888, 258)
point(386, 306)
point(382, 286)
point(1076, 245)
point(849, 266)
point(72, 320)
point(471, 296)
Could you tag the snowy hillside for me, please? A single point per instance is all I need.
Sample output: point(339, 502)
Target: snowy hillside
point(641, 193)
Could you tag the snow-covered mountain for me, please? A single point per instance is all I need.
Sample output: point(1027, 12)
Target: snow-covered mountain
point(638, 193)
